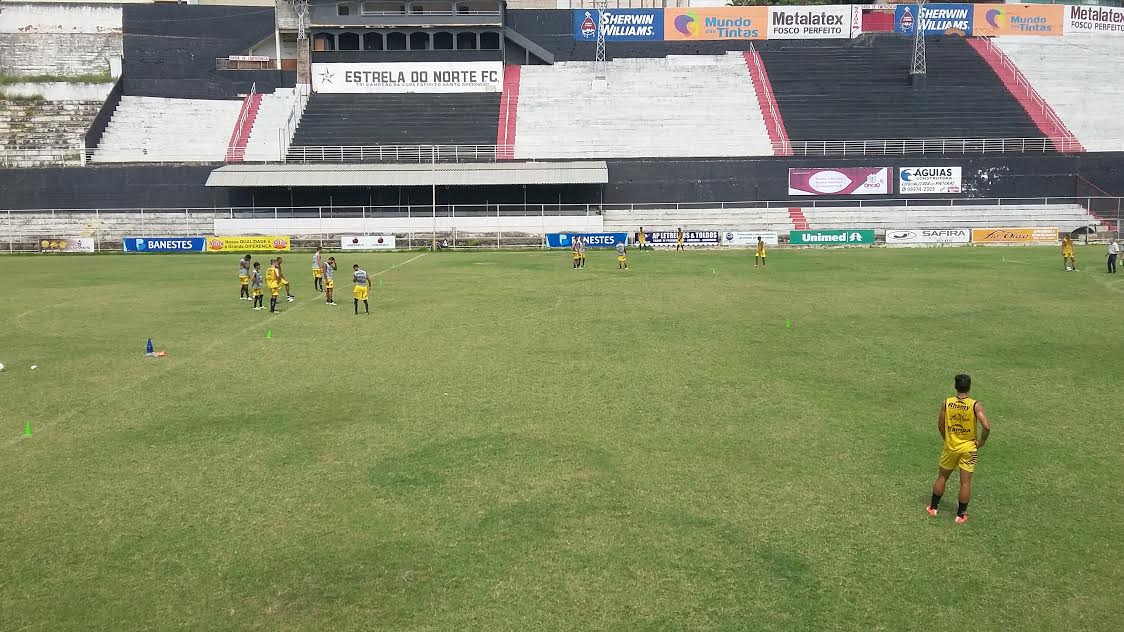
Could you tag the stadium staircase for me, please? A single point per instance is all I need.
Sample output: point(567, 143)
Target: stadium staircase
point(154, 129)
point(398, 119)
point(264, 143)
point(677, 106)
point(1074, 76)
point(836, 90)
point(35, 132)
point(1066, 217)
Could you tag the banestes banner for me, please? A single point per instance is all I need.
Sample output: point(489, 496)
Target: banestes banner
point(742, 238)
point(935, 19)
point(367, 242)
point(164, 244)
point(619, 25)
point(812, 22)
point(916, 180)
point(922, 236)
point(248, 244)
point(1018, 19)
point(460, 76)
point(840, 181)
point(716, 23)
point(1094, 20)
point(830, 237)
point(695, 237)
point(592, 240)
point(1014, 235)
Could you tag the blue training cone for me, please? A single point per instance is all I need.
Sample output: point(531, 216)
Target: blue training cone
point(148, 352)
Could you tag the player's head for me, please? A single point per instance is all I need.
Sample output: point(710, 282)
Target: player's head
point(278, 260)
point(963, 383)
point(318, 249)
point(355, 266)
point(257, 264)
point(759, 239)
point(247, 257)
point(332, 262)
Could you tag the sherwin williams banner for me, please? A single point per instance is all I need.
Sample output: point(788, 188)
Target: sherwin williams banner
point(592, 240)
point(934, 19)
point(918, 180)
point(619, 25)
point(1094, 20)
point(814, 22)
point(164, 244)
point(718, 23)
point(248, 244)
point(923, 236)
point(67, 244)
point(841, 181)
point(830, 237)
point(1018, 19)
point(460, 76)
point(1014, 235)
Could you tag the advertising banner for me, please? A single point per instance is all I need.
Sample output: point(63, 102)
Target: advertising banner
point(1094, 19)
point(592, 240)
point(619, 25)
point(934, 19)
point(915, 180)
point(164, 244)
point(693, 237)
point(367, 242)
point(248, 244)
point(67, 244)
point(742, 238)
point(830, 237)
point(460, 76)
point(811, 22)
point(1018, 19)
point(924, 236)
point(841, 181)
point(716, 23)
point(1014, 235)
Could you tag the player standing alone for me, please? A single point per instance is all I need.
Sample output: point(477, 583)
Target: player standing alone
point(760, 254)
point(622, 256)
point(317, 271)
point(244, 277)
point(329, 275)
point(255, 283)
point(362, 288)
point(957, 424)
point(679, 239)
point(1068, 262)
point(574, 251)
point(581, 252)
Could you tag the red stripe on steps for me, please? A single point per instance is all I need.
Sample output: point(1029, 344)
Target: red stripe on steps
point(797, 216)
point(509, 113)
point(236, 148)
point(770, 111)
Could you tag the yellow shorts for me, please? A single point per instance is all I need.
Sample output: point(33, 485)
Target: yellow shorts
point(244, 279)
point(316, 273)
point(621, 259)
point(329, 284)
point(760, 254)
point(360, 292)
point(577, 256)
point(257, 291)
point(964, 460)
point(274, 289)
point(1068, 254)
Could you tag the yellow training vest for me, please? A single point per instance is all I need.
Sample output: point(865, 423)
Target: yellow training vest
point(960, 424)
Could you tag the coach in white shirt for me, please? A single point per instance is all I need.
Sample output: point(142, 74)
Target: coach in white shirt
point(1113, 251)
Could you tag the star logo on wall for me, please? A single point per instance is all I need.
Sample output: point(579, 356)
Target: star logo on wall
point(326, 76)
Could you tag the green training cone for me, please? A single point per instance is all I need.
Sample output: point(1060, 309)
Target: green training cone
point(268, 333)
point(788, 324)
point(27, 429)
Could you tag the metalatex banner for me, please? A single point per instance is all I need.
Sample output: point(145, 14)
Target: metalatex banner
point(812, 22)
point(830, 237)
point(934, 19)
point(248, 244)
point(1094, 20)
point(1018, 19)
point(716, 23)
point(918, 180)
point(460, 76)
point(839, 181)
point(619, 25)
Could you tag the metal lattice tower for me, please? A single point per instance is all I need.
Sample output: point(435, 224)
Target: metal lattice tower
point(300, 8)
point(599, 55)
point(918, 69)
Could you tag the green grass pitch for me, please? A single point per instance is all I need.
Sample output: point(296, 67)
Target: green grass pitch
point(508, 444)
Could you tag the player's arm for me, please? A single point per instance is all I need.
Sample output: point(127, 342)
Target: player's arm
point(940, 421)
point(985, 425)
point(368, 281)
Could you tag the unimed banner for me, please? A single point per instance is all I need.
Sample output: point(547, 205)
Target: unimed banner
point(919, 180)
point(248, 244)
point(461, 76)
point(367, 242)
point(1020, 235)
point(743, 238)
point(1094, 20)
point(619, 25)
point(926, 236)
point(1018, 19)
point(811, 22)
point(839, 181)
point(67, 244)
point(830, 237)
point(716, 23)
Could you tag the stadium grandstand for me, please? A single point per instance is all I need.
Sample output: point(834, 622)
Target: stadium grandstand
point(625, 114)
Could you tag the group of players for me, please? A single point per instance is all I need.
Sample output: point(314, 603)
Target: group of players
point(323, 280)
point(577, 250)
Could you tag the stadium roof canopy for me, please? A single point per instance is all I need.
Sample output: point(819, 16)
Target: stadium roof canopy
point(409, 175)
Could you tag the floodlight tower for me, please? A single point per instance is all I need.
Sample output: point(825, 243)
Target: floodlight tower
point(304, 54)
point(600, 77)
point(918, 69)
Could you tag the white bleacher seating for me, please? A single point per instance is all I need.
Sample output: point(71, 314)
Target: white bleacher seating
point(694, 105)
point(1074, 75)
point(264, 143)
point(653, 219)
point(154, 129)
point(1066, 217)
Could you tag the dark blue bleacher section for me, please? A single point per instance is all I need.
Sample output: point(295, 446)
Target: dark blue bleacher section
point(399, 119)
point(859, 90)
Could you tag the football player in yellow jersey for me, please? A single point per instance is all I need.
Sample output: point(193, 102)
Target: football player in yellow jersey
point(244, 277)
point(317, 271)
point(574, 252)
point(957, 422)
point(640, 238)
point(760, 254)
point(273, 282)
point(679, 239)
point(1068, 262)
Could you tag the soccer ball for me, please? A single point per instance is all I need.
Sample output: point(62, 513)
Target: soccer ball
point(291, 299)
point(1, 366)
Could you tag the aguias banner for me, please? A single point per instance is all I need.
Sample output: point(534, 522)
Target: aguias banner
point(934, 19)
point(917, 180)
point(592, 240)
point(248, 244)
point(460, 76)
point(164, 244)
point(839, 181)
point(1018, 19)
point(619, 25)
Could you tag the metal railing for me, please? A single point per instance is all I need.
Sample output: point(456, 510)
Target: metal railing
point(285, 134)
point(224, 63)
point(931, 146)
point(398, 153)
point(781, 147)
point(236, 149)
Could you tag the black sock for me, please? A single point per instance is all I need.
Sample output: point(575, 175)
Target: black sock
point(961, 508)
point(935, 501)
point(356, 307)
point(273, 303)
point(366, 308)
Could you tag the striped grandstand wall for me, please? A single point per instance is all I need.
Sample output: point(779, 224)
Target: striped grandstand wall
point(236, 149)
point(509, 111)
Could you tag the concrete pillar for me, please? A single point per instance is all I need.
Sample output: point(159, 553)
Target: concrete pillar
point(304, 62)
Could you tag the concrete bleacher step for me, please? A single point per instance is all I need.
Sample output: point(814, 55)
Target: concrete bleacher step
point(154, 129)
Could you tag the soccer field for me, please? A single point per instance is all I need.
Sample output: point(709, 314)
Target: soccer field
point(509, 444)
